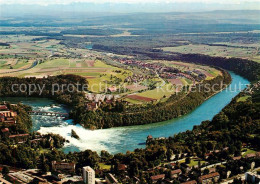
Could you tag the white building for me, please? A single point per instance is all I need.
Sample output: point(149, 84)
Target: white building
point(88, 175)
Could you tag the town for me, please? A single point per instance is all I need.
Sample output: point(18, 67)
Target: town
point(174, 168)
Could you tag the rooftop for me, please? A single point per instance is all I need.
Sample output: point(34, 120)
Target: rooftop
point(157, 177)
point(177, 171)
point(88, 168)
point(211, 175)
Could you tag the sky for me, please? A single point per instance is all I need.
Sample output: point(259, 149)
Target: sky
point(48, 2)
point(24, 7)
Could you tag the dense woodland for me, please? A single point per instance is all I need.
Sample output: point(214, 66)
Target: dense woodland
point(70, 93)
point(92, 32)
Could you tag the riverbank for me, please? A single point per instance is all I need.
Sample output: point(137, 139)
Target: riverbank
point(121, 139)
point(174, 107)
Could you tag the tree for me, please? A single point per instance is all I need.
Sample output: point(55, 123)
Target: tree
point(206, 171)
point(237, 181)
point(187, 160)
point(5, 170)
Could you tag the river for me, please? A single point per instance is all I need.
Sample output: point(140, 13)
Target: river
point(122, 139)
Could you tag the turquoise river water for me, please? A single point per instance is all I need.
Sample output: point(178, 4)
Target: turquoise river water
point(122, 139)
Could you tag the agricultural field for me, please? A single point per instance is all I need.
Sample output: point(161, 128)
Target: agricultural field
point(245, 51)
point(35, 56)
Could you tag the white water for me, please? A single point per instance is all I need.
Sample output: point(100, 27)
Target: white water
point(122, 139)
point(89, 139)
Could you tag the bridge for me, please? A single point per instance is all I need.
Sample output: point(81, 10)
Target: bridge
point(56, 114)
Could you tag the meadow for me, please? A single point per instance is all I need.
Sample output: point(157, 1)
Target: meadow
point(102, 71)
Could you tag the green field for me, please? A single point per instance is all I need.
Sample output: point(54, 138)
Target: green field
point(55, 63)
point(158, 93)
point(243, 99)
point(195, 162)
point(104, 166)
point(21, 64)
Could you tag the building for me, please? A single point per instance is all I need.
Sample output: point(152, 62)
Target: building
point(209, 178)
point(7, 116)
point(110, 179)
point(20, 138)
point(5, 131)
point(252, 177)
point(88, 175)
point(175, 173)
point(253, 155)
point(63, 166)
point(157, 177)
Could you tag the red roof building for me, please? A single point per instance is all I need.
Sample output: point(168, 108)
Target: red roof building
point(212, 177)
point(5, 130)
point(63, 166)
point(157, 177)
point(175, 173)
point(3, 107)
point(252, 155)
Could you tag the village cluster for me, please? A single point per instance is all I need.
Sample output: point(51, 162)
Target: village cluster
point(176, 170)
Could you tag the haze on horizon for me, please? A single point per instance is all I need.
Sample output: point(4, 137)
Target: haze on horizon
point(48, 2)
point(69, 7)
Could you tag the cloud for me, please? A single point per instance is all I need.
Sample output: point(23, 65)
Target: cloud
point(47, 2)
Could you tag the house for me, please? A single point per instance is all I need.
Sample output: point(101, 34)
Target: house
point(209, 178)
point(19, 137)
point(157, 177)
point(5, 130)
point(110, 179)
point(175, 173)
point(63, 166)
point(190, 182)
point(3, 108)
point(252, 155)
point(8, 113)
point(7, 116)
point(237, 158)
